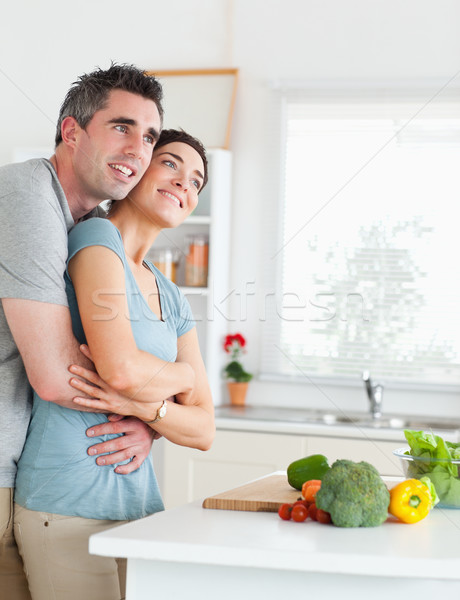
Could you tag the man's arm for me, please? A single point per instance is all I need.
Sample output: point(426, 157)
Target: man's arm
point(43, 335)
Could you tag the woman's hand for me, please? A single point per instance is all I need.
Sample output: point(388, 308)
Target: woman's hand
point(103, 397)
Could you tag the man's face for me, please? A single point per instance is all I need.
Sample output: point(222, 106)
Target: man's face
point(113, 152)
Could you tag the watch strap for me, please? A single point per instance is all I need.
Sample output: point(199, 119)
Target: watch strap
point(160, 413)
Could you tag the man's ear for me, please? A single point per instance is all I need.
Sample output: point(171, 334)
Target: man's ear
point(70, 130)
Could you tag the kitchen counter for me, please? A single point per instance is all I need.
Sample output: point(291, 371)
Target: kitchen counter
point(326, 423)
point(202, 553)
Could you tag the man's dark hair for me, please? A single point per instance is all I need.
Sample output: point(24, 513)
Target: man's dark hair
point(91, 91)
point(168, 136)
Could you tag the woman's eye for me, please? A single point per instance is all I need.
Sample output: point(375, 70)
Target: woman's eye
point(169, 163)
point(196, 183)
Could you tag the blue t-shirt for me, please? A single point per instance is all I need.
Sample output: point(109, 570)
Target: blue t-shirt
point(55, 473)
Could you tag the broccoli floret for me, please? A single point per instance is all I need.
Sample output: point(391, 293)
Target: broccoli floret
point(354, 495)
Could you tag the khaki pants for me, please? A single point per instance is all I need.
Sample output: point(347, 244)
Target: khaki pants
point(58, 565)
point(13, 582)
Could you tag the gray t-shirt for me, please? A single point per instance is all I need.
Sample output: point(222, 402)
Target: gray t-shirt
point(34, 222)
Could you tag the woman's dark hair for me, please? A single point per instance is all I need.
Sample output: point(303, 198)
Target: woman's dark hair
point(90, 93)
point(168, 136)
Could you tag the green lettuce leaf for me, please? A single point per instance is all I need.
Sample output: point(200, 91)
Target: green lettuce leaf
point(429, 484)
point(447, 487)
point(442, 473)
point(426, 444)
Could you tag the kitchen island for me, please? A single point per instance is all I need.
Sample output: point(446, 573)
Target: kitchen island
point(196, 553)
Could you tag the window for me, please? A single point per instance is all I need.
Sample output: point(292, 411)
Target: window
point(367, 259)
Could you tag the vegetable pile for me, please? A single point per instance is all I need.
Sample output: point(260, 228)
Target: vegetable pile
point(438, 467)
point(351, 494)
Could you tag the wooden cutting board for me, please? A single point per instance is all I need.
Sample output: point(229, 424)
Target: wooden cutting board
point(263, 495)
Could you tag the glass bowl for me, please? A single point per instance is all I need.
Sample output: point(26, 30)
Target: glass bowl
point(447, 484)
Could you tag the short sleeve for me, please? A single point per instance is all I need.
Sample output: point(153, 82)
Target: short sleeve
point(33, 234)
point(95, 232)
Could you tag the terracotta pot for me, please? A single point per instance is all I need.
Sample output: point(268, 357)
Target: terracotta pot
point(237, 391)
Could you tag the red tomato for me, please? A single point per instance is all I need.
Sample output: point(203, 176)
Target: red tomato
point(312, 511)
point(300, 503)
point(299, 513)
point(285, 511)
point(323, 516)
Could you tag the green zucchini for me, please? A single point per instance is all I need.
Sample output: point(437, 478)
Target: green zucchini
point(304, 469)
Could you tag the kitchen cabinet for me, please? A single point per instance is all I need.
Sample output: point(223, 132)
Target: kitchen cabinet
point(211, 219)
point(234, 458)
point(239, 456)
point(377, 452)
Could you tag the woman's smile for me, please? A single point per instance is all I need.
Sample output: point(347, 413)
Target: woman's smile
point(171, 196)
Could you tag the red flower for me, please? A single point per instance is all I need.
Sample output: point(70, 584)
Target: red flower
point(232, 339)
point(228, 343)
point(240, 339)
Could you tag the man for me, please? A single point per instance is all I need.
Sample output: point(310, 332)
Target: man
point(107, 128)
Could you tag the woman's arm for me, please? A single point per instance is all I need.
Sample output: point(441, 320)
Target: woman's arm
point(104, 311)
point(188, 422)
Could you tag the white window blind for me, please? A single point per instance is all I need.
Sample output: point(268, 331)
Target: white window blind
point(365, 266)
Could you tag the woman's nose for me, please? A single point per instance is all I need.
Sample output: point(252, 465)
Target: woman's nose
point(182, 183)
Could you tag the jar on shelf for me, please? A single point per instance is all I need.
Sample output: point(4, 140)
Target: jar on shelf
point(166, 260)
point(196, 261)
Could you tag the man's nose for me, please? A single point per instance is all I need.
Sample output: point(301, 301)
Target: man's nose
point(135, 146)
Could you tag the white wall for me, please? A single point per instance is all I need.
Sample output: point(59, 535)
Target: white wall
point(45, 45)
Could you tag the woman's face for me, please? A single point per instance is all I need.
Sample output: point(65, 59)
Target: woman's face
point(168, 191)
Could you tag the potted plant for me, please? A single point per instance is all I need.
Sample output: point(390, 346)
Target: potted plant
point(238, 378)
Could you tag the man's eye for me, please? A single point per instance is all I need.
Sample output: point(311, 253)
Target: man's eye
point(196, 183)
point(149, 139)
point(121, 128)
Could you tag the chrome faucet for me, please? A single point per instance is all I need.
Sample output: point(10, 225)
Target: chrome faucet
point(375, 394)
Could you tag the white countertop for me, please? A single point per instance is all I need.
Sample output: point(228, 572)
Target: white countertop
point(286, 427)
point(191, 534)
point(296, 422)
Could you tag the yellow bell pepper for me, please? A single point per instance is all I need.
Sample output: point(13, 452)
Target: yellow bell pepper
point(410, 501)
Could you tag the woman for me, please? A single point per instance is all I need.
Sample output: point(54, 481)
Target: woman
point(142, 339)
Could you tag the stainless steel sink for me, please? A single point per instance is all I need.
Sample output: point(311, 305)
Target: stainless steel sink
point(382, 422)
point(342, 418)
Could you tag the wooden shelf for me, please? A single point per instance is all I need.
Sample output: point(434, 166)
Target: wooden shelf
point(188, 290)
point(198, 220)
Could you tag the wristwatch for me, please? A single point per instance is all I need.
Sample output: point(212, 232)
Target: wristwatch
point(160, 413)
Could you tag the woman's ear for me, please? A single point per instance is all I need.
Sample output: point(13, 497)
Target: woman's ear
point(69, 130)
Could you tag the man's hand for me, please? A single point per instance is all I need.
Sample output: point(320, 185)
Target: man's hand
point(135, 444)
